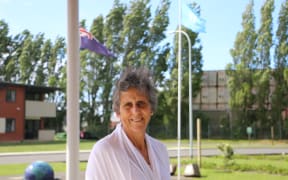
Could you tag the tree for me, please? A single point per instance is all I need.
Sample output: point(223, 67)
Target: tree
point(280, 95)
point(114, 21)
point(5, 53)
point(41, 67)
point(11, 66)
point(56, 61)
point(136, 39)
point(135, 33)
point(91, 76)
point(262, 72)
point(158, 53)
point(240, 72)
point(24, 60)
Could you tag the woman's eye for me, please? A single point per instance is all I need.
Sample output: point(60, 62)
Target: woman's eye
point(128, 105)
point(141, 104)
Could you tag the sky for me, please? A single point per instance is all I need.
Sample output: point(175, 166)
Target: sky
point(223, 21)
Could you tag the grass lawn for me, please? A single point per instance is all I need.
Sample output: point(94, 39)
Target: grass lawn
point(19, 169)
point(41, 146)
point(210, 174)
point(248, 167)
point(206, 174)
point(260, 167)
point(245, 167)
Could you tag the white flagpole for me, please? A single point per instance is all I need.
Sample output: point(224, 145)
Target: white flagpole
point(73, 81)
point(179, 87)
point(190, 96)
point(190, 103)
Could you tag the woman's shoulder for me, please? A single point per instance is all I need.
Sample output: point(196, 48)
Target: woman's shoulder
point(106, 143)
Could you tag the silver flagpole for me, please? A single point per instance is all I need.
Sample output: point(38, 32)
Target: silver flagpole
point(190, 102)
point(179, 87)
point(190, 95)
point(73, 81)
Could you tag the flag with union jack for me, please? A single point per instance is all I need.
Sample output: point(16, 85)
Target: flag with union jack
point(88, 41)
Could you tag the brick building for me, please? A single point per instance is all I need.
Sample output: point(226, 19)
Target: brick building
point(23, 111)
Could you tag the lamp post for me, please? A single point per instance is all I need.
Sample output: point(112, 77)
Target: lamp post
point(190, 93)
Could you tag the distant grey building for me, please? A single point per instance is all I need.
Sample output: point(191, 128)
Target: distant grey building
point(213, 101)
point(214, 94)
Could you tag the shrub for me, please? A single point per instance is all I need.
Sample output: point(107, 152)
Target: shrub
point(227, 152)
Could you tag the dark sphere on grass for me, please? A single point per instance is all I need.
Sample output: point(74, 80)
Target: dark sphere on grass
point(39, 170)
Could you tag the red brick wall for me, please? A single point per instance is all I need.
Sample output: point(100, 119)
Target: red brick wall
point(14, 110)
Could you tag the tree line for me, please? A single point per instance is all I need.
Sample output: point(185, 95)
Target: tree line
point(137, 37)
point(258, 75)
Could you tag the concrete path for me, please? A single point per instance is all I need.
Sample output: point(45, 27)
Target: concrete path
point(60, 156)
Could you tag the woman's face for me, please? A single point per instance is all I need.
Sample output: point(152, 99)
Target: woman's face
point(135, 111)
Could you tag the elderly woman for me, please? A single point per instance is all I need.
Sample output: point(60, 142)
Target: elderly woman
point(128, 153)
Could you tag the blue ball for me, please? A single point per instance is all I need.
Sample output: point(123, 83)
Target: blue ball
point(39, 170)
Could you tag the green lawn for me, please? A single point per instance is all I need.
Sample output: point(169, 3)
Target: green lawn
point(212, 168)
point(41, 146)
point(244, 167)
point(210, 174)
point(254, 167)
point(19, 169)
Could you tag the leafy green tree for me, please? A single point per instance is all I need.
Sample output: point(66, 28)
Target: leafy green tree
point(5, 53)
point(157, 52)
point(114, 22)
point(157, 59)
point(12, 65)
point(56, 76)
point(136, 39)
point(280, 95)
point(103, 84)
point(35, 55)
point(135, 35)
point(29, 56)
point(55, 63)
point(240, 71)
point(91, 65)
point(41, 66)
point(25, 61)
point(262, 74)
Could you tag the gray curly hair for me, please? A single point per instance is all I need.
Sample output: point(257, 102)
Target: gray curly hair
point(139, 78)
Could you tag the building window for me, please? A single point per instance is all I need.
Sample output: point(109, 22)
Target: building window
point(10, 95)
point(33, 96)
point(10, 125)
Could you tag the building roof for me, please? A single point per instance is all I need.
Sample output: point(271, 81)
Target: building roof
point(31, 88)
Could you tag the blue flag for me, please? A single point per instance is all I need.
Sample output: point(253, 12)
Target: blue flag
point(88, 41)
point(191, 19)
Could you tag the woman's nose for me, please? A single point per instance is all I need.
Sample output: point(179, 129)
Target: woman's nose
point(135, 109)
